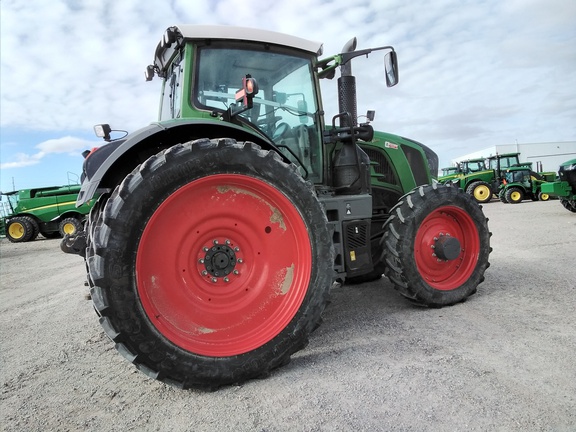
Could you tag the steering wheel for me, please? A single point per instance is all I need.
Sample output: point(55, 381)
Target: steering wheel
point(281, 130)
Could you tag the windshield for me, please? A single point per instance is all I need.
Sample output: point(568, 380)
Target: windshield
point(476, 166)
point(284, 109)
point(505, 162)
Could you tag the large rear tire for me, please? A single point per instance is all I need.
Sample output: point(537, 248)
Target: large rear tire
point(211, 264)
point(436, 245)
point(569, 205)
point(480, 191)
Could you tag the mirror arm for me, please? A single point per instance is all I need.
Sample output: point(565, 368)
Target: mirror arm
point(346, 57)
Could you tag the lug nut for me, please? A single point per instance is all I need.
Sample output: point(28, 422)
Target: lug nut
point(204, 272)
point(214, 280)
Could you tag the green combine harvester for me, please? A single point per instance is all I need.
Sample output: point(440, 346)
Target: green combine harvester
point(49, 211)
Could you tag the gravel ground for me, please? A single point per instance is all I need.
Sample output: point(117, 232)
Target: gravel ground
point(502, 361)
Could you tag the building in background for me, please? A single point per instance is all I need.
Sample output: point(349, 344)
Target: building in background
point(546, 156)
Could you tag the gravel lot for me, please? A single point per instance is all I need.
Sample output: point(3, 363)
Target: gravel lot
point(504, 360)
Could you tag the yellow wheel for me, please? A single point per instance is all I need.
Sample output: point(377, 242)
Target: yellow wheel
point(16, 230)
point(514, 195)
point(543, 196)
point(19, 229)
point(70, 226)
point(480, 191)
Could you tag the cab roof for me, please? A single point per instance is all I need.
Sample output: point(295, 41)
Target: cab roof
point(174, 37)
point(248, 34)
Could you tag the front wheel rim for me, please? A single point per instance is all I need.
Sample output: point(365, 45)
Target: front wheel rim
point(515, 196)
point(234, 270)
point(440, 273)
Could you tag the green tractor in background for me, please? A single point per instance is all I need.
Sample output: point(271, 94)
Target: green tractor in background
point(565, 186)
point(449, 173)
point(221, 229)
point(522, 183)
point(465, 167)
point(485, 182)
point(49, 211)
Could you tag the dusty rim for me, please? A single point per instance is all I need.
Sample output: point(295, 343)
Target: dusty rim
point(233, 258)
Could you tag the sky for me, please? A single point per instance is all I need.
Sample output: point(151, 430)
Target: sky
point(473, 73)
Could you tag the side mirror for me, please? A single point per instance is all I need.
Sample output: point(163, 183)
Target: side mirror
point(303, 111)
point(391, 67)
point(149, 73)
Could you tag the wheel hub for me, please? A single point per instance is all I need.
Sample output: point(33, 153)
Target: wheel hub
point(220, 261)
point(446, 247)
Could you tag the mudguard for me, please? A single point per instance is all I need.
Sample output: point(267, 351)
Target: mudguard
point(93, 175)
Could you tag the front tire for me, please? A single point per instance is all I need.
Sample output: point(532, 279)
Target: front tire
point(19, 229)
point(543, 196)
point(436, 245)
point(211, 263)
point(514, 195)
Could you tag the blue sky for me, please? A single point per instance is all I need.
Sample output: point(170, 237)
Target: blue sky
point(473, 73)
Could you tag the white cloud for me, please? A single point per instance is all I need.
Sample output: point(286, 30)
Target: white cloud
point(67, 144)
point(470, 72)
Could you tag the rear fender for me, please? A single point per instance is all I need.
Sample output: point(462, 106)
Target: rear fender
point(127, 154)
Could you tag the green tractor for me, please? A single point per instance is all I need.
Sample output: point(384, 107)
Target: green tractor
point(50, 211)
point(449, 173)
point(565, 187)
point(466, 167)
point(221, 229)
point(522, 183)
point(484, 183)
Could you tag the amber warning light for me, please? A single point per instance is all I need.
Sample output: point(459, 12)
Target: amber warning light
point(247, 92)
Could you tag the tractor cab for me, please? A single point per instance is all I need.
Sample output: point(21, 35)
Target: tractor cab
point(272, 93)
point(472, 166)
point(519, 175)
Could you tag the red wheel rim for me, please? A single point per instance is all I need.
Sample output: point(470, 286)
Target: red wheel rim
point(440, 274)
point(223, 265)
